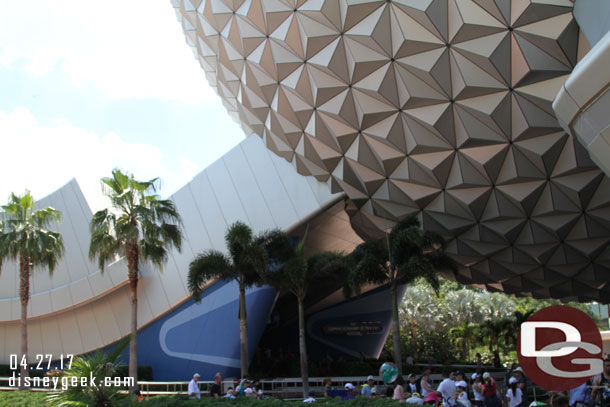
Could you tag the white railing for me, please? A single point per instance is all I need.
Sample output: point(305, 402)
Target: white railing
point(279, 387)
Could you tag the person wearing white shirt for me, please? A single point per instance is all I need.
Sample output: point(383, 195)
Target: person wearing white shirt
point(447, 390)
point(462, 393)
point(193, 389)
point(477, 390)
point(514, 395)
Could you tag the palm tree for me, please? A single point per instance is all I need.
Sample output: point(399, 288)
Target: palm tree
point(464, 335)
point(295, 275)
point(407, 253)
point(246, 262)
point(514, 326)
point(141, 227)
point(24, 236)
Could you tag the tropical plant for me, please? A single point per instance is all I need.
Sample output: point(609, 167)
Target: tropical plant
point(295, 274)
point(419, 308)
point(80, 391)
point(464, 336)
point(406, 254)
point(140, 226)
point(245, 263)
point(24, 237)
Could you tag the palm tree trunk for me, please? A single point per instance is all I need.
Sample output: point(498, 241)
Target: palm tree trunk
point(24, 293)
point(243, 331)
point(303, 349)
point(396, 328)
point(132, 265)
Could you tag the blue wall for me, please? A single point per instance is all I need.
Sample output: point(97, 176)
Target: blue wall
point(204, 337)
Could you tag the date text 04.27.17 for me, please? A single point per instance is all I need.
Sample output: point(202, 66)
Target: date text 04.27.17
point(43, 362)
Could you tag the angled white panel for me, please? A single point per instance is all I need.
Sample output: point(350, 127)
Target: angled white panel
point(8, 280)
point(225, 192)
point(60, 299)
point(12, 344)
point(89, 329)
point(15, 309)
point(174, 280)
point(81, 290)
point(209, 209)
point(52, 338)
point(269, 181)
point(70, 334)
point(117, 272)
point(248, 191)
point(151, 292)
point(119, 303)
point(34, 343)
point(40, 304)
point(106, 322)
point(5, 310)
point(298, 189)
point(99, 283)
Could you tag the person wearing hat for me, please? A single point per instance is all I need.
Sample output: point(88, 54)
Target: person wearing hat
point(462, 393)
point(243, 385)
point(349, 392)
point(366, 389)
point(477, 390)
point(521, 383)
point(490, 391)
point(193, 389)
point(215, 390)
point(412, 384)
point(514, 395)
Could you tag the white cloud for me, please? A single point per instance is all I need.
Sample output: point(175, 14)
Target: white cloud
point(127, 49)
point(42, 157)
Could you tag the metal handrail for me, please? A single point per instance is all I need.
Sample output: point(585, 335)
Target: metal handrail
point(279, 387)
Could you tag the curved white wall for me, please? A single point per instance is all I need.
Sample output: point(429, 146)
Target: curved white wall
point(78, 309)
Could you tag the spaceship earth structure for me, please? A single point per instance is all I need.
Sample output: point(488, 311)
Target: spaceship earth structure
point(436, 108)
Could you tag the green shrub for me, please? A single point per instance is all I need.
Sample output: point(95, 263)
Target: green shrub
point(22, 399)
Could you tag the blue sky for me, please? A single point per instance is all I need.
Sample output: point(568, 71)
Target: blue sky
point(89, 86)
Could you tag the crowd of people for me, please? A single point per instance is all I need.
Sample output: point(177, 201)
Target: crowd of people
point(456, 389)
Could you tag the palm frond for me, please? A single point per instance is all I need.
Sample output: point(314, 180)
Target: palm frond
point(24, 232)
point(238, 237)
point(206, 266)
point(370, 264)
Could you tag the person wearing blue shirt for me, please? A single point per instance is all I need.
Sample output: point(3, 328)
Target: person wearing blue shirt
point(349, 393)
point(366, 389)
point(578, 395)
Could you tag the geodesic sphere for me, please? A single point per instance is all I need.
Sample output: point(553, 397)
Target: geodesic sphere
point(438, 108)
